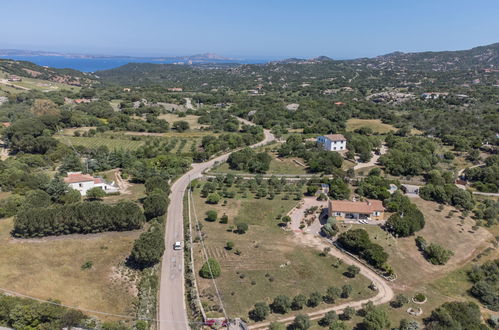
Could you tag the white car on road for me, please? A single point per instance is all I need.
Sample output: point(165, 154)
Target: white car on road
point(177, 246)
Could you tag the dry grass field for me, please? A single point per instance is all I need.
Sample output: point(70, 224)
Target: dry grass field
point(191, 119)
point(51, 268)
point(375, 124)
point(271, 261)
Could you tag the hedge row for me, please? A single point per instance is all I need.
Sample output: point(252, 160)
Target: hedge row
point(78, 218)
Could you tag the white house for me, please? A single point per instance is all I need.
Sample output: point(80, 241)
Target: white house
point(85, 182)
point(333, 142)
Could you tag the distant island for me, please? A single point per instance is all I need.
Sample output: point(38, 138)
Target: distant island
point(196, 57)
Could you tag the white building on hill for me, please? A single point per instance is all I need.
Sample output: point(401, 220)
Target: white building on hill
point(85, 182)
point(333, 142)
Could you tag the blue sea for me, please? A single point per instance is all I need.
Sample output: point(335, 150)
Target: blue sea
point(105, 63)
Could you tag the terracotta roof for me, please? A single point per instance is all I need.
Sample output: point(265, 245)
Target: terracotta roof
point(78, 177)
point(335, 137)
point(98, 180)
point(369, 206)
point(6, 124)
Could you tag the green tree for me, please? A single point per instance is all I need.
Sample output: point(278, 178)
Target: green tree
point(376, 319)
point(95, 193)
point(314, 299)
point(229, 245)
point(346, 290)
point(180, 125)
point(352, 271)
point(348, 313)
point(155, 205)
point(328, 319)
point(281, 304)
point(301, 322)
point(242, 227)
point(211, 215)
point(210, 269)
point(298, 302)
point(148, 248)
point(260, 312)
point(213, 198)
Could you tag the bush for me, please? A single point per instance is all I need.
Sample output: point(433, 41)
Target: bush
point(357, 242)
point(210, 269)
point(229, 245)
point(213, 198)
point(301, 322)
point(419, 297)
point(148, 248)
point(95, 193)
point(242, 227)
point(399, 301)
point(437, 255)
point(211, 215)
point(352, 271)
point(299, 302)
point(224, 219)
point(328, 319)
point(348, 313)
point(260, 312)
point(314, 299)
point(281, 304)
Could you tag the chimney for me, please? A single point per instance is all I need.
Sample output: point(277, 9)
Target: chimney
point(369, 202)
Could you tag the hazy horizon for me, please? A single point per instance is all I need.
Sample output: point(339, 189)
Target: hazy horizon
point(256, 30)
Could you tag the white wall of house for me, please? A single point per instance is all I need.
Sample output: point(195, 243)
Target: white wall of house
point(84, 186)
point(332, 145)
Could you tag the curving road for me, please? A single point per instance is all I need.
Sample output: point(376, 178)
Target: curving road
point(172, 308)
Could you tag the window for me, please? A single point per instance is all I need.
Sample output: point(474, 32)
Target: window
point(80, 185)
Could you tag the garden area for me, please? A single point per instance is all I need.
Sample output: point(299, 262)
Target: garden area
point(259, 260)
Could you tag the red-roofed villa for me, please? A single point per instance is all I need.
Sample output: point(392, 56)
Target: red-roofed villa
point(370, 209)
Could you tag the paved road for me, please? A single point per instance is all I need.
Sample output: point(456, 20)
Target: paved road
point(172, 305)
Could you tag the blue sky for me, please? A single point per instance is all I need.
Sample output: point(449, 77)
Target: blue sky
point(249, 29)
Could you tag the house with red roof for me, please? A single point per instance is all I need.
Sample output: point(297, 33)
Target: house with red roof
point(84, 182)
point(369, 209)
point(333, 142)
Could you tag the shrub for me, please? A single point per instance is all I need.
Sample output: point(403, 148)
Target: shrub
point(298, 302)
point(210, 269)
point(213, 198)
point(224, 219)
point(437, 255)
point(260, 312)
point(301, 322)
point(328, 319)
point(229, 245)
point(242, 227)
point(399, 301)
point(211, 215)
point(95, 193)
point(419, 297)
point(348, 313)
point(314, 299)
point(352, 271)
point(281, 304)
